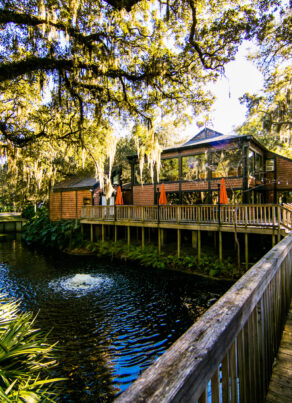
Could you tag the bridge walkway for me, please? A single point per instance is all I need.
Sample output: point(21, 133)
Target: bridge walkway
point(280, 387)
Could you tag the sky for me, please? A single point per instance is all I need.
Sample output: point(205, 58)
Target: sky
point(241, 76)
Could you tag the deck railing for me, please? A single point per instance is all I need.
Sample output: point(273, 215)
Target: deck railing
point(243, 215)
point(228, 354)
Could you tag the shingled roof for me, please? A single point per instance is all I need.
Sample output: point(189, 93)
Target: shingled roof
point(204, 134)
point(77, 183)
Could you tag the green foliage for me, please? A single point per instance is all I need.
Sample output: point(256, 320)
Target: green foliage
point(269, 111)
point(28, 212)
point(25, 357)
point(60, 234)
point(149, 257)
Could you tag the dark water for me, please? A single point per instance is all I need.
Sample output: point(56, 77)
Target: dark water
point(112, 331)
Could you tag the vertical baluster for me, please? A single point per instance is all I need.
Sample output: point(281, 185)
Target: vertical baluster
point(215, 387)
point(242, 368)
point(256, 357)
point(233, 372)
point(225, 380)
point(247, 353)
point(204, 396)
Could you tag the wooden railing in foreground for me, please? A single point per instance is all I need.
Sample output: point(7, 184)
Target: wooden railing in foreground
point(226, 356)
point(243, 215)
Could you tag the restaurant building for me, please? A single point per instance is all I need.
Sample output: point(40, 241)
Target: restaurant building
point(192, 172)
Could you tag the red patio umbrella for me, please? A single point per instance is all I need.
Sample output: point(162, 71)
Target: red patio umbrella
point(162, 197)
point(223, 194)
point(119, 198)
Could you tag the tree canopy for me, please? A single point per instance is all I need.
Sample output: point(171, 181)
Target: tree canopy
point(69, 70)
point(109, 59)
point(270, 112)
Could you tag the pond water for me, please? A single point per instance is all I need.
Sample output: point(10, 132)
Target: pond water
point(111, 321)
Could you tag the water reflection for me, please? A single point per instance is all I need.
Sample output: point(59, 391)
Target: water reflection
point(111, 323)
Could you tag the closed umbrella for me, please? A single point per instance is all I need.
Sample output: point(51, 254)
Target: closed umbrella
point(119, 198)
point(162, 197)
point(223, 193)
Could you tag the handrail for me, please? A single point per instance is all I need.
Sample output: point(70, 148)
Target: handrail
point(228, 353)
point(264, 215)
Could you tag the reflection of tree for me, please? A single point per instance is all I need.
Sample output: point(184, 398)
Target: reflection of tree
point(194, 167)
point(226, 163)
point(169, 170)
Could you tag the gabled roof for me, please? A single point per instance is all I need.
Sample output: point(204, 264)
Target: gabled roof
point(77, 183)
point(203, 135)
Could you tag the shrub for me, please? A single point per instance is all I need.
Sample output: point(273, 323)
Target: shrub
point(25, 357)
point(60, 234)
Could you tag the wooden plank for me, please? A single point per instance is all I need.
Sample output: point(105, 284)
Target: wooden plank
point(220, 246)
point(91, 232)
point(225, 380)
point(281, 381)
point(102, 233)
point(178, 242)
point(246, 250)
point(116, 233)
point(215, 387)
point(233, 371)
point(143, 238)
point(204, 397)
point(128, 236)
point(242, 368)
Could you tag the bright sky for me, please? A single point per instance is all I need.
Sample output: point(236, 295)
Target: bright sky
point(241, 76)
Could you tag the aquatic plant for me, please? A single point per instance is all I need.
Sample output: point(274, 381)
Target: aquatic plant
point(25, 357)
point(57, 234)
point(150, 257)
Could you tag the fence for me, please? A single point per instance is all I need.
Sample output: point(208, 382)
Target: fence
point(264, 215)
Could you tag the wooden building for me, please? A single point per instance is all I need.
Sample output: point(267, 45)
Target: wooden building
point(69, 196)
point(192, 172)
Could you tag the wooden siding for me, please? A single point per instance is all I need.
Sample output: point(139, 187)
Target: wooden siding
point(284, 173)
point(55, 206)
point(67, 205)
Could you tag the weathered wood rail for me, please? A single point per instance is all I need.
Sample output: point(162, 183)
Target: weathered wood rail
point(255, 215)
point(227, 355)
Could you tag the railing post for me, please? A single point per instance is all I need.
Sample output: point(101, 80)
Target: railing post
point(279, 223)
point(178, 214)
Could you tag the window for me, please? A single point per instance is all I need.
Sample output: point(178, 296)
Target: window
point(226, 163)
point(146, 177)
point(169, 170)
point(194, 167)
point(255, 164)
point(270, 165)
point(86, 201)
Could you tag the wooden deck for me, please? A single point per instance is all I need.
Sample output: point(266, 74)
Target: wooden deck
point(280, 387)
point(253, 218)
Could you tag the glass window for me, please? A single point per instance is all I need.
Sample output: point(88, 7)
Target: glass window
point(194, 167)
point(258, 166)
point(169, 170)
point(226, 163)
point(146, 177)
point(251, 162)
point(255, 164)
point(270, 165)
